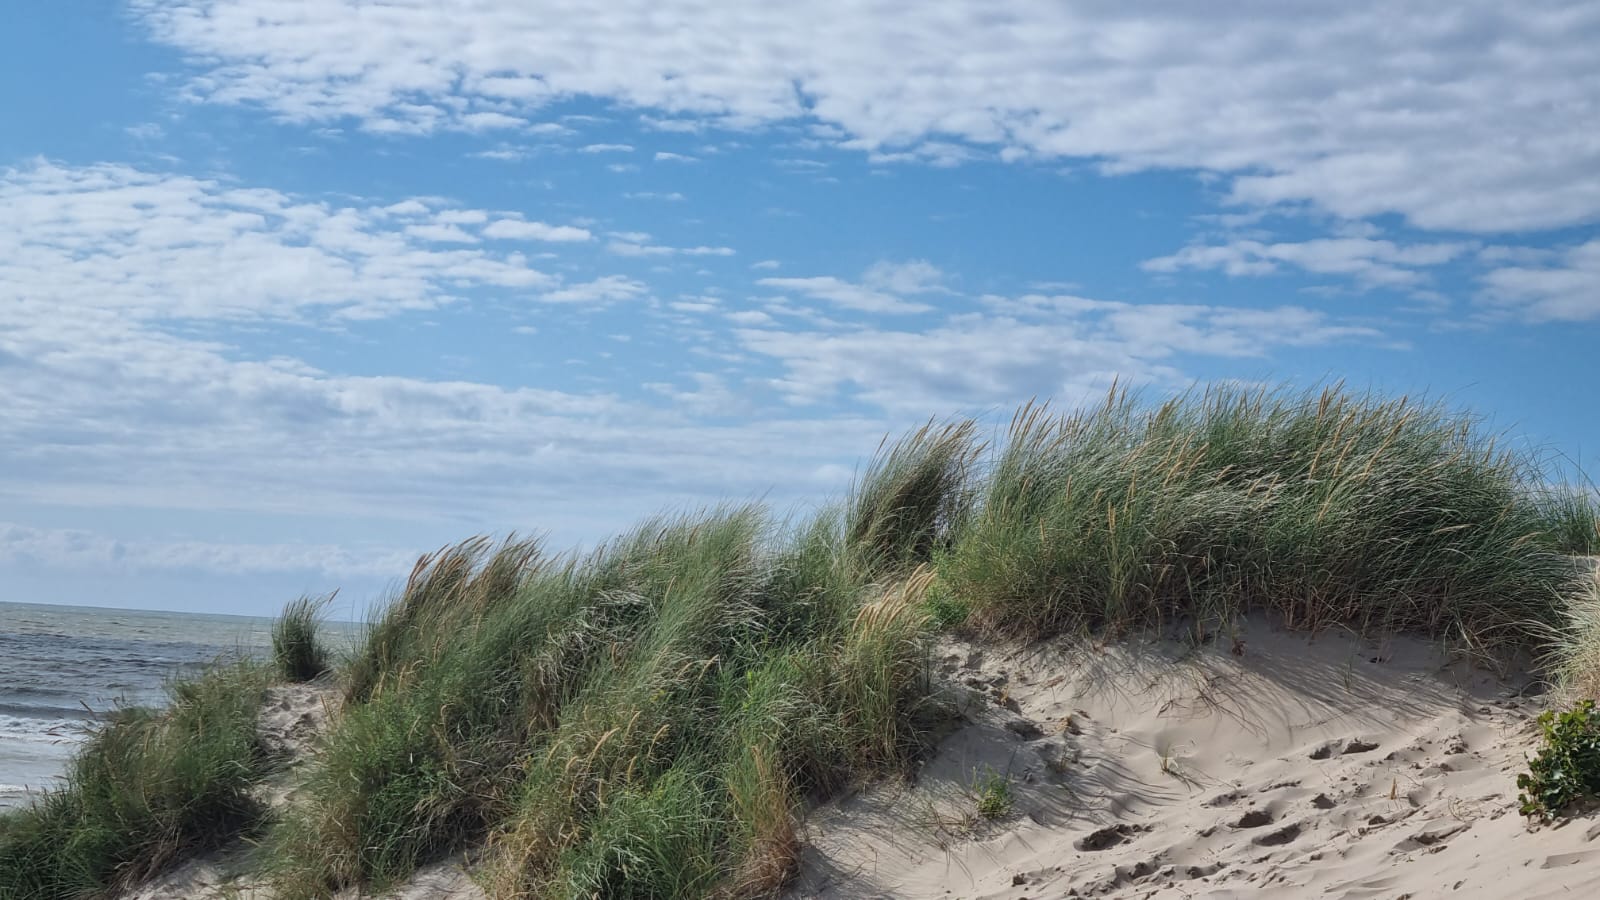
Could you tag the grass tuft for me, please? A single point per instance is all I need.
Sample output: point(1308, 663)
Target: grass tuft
point(297, 647)
point(993, 796)
point(913, 497)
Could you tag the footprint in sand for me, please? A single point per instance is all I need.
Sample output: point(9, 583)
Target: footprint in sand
point(1227, 799)
point(1432, 834)
point(1343, 748)
point(1255, 818)
point(1279, 837)
point(1557, 860)
point(1109, 836)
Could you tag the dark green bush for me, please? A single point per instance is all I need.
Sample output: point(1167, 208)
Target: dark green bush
point(1567, 768)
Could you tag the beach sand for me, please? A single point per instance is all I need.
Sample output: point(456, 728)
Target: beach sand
point(1260, 764)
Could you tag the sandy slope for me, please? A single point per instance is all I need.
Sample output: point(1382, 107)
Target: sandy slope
point(1261, 764)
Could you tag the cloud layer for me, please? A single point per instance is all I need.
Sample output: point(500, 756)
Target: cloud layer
point(1471, 116)
point(148, 245)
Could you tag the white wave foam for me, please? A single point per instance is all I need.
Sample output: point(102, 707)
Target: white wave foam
point(40, 731)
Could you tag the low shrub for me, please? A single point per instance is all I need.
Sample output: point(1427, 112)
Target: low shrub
point(1566, 769)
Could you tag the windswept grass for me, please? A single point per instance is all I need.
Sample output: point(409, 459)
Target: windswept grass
point(915, 496)
point(1324, 508)
point(1576, 517)
point(642, 721)
point(1576, 648)
point(297, 647)
point(150, 787)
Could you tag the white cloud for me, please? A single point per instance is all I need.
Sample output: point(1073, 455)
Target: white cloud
point(749, 318)
point(1068, 348)
point(695, 304)
point(521, 230)
point(155, 245)
point(766, 264)
point(442, 234)
point(843, 293)
point(882, 289)
point(710, 396)
point(606, 148)
point(502, 154)
point(667, 196)
point(665, 156)
point(1567, 290)
point(461, 216)
point(637, 244)
point(606, 289)
point(917, 276)
point(1372, 262)
point(488, 121)
point(1475, 118)
point(939, 154)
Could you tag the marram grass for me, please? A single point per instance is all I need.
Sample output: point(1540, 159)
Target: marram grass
point(298, 650)
point(647, 720)
point(1325, 508)
point(149, 788)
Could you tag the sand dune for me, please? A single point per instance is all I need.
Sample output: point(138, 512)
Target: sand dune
point(1261, 764)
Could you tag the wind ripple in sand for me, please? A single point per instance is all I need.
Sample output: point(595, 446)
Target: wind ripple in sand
point(1321, 766)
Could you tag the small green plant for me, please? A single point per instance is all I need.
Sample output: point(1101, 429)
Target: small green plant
point(994, 796)
point(297, 647)
point(1567, 768)
point(946, 611)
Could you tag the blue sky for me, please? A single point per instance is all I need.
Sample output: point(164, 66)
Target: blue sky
point(291, 290)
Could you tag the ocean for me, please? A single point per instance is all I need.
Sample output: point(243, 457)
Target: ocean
point(62, 668)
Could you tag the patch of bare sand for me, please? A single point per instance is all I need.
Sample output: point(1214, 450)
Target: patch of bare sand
point(1260, 764)
point(219, 878)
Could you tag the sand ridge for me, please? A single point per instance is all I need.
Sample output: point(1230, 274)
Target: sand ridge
point(1260, 763)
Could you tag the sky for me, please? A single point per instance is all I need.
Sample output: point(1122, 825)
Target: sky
point(294, 290)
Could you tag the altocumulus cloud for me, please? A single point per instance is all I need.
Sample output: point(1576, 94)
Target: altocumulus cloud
point(1471, 116)
point(152, 244)
point(1060, 346)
